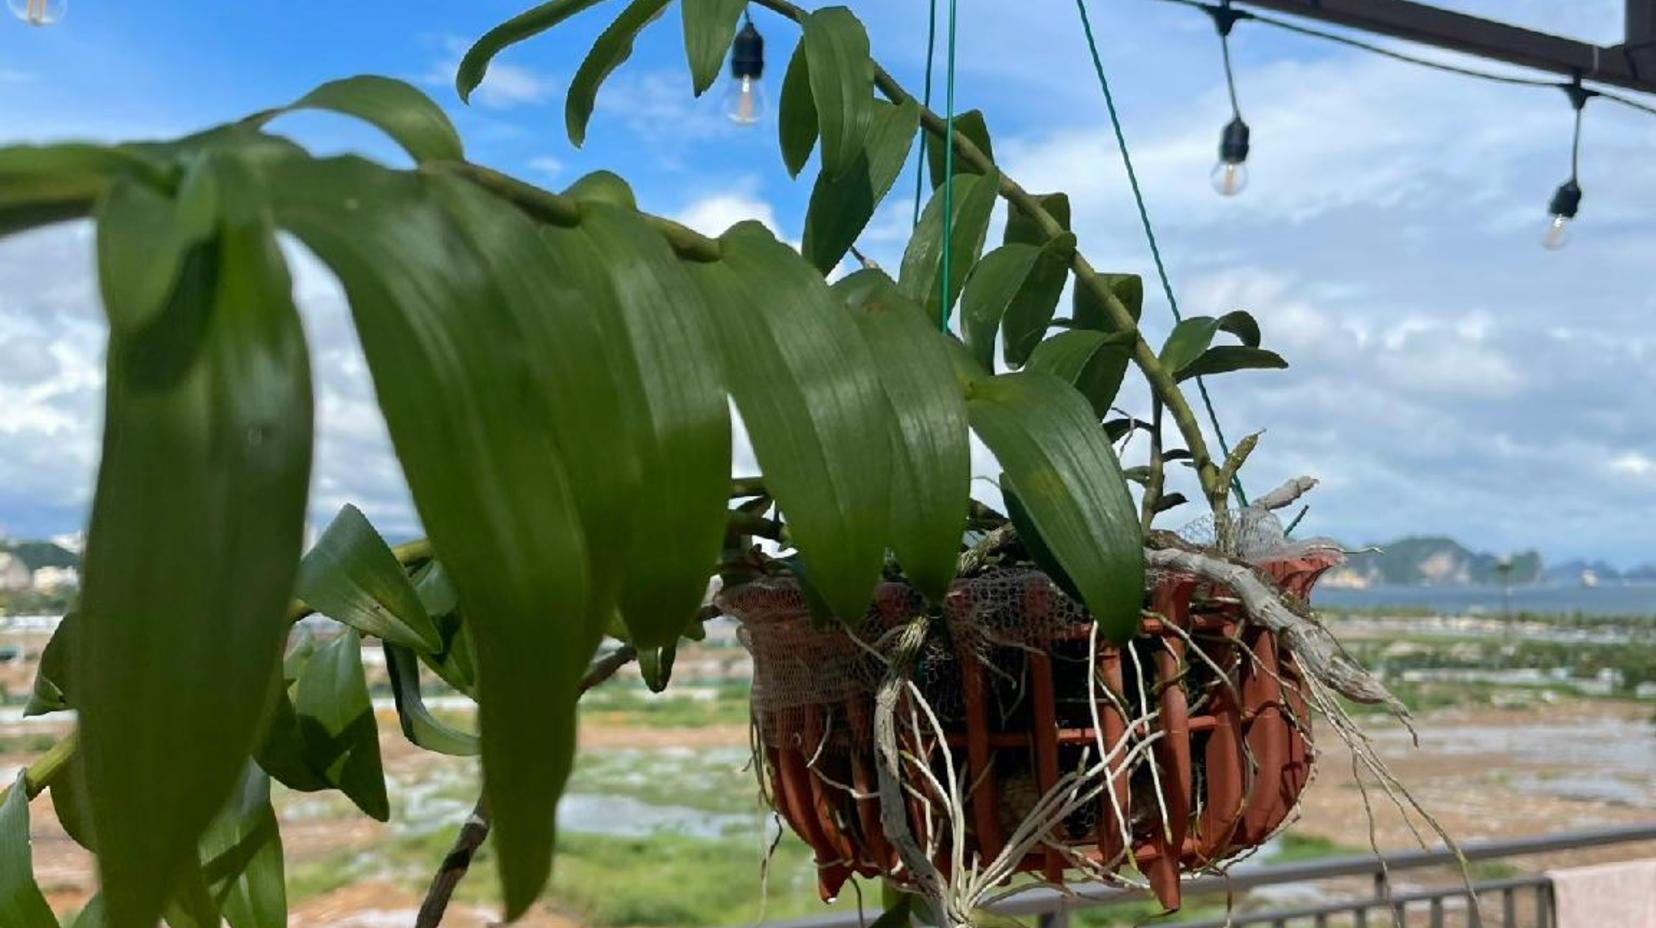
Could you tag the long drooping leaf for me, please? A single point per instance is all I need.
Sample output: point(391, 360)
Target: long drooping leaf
point(969, 124)
point(841, 206)
point(1222, 359)
point(1089, 313)
point(1067, 477)
point(419, 726)
point(1094, 363)
point(52, 183)
point(456, 663)
point(458, 376)
point(813, 404)
point(336, 720)
point(613, 47)
point(351, 576)
point(1023, 229)
point(410, 117)
point(532, 22)
point(21, 903)
point(241, 857)
point(682, 435)
point(842, 84)
point(143, 236)
point(922, 270)
point(207, 444)
point(932, 461)
point(709, 27)
point(796, 114)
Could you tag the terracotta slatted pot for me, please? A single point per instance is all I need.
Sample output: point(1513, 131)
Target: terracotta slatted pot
point(1010, 692)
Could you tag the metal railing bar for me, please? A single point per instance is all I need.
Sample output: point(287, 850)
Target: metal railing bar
point(1432, 897)
point(1041, 901)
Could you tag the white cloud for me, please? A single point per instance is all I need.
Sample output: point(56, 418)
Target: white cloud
point(548, 167)
point(505, 86)
point(714, 213)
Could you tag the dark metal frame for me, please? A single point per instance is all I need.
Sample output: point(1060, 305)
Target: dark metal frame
point(1631, 64)
point(1053, 909)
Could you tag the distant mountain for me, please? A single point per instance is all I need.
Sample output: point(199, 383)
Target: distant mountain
point(1573, 571)
point(38, 554)
point(1431, 560)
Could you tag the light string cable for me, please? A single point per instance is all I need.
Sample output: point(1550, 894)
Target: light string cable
point(925, 101)
point(948, 175)
point(1149, 231)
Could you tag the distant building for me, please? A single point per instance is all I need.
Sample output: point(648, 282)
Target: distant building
point(52, 579)
point(14, 574)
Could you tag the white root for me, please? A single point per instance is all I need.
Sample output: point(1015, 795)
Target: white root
point(1312, 646)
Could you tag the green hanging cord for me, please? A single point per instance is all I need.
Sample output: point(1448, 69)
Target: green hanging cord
point(925, 102)
point(948, 173)
point(1149, 233)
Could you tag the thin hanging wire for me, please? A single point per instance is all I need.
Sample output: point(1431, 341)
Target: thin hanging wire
point(948, 174)
point(925, 100)
point(1575, 142)
point(1230, 79)
point(1149, 232)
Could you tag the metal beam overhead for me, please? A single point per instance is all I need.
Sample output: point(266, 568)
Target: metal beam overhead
point(1631, 64)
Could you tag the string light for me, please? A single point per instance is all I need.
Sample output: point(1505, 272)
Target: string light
point(1230, 175)
point(1566, 200)
point(744, 97)
point(38, 12)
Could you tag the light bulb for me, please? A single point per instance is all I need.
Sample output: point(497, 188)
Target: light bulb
point(744, 100)
point(38, 12)
point(744, 96)
point(1230, 175)
point(1566, 200)
point(1229, 178)
point(1558, 229)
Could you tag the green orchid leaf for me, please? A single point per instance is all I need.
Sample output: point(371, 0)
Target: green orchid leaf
point(412, 119)
point(457, 343)
point(932, 473)
point(532, 22)
point(841, 206)
point(143, 237)
point(1089, 313)
point(241, 857)
point(1014, 290)
point(43, 184)
point(1023, 229)
point(808, 390)
point(336, 720)
point(656, 666)
point(1094, 363)
point(208, 445)
point(603, 187)
point(612, 48)
point(21, 903)
point(351, 576)
point(709, 28)
point(796, 113)
point(51, 675)
point(419, 726)
point(969, 124)
point(921, 277)
point(1192, 336)
point(1225, 358)
point(842, 84)
point(1065, 474)
point(681, 433)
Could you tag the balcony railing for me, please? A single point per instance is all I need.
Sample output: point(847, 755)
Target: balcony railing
point(1518, 902)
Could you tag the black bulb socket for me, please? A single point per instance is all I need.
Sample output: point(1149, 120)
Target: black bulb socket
point(1566, 200)
point(1233, 142)
point(747, 53)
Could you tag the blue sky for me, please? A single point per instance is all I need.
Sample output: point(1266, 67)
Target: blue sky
point(1449, 375)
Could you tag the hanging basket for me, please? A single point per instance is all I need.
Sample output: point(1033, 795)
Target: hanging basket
point(1005, 673)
